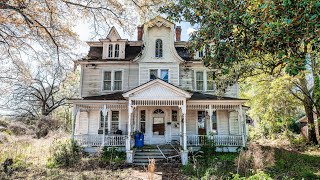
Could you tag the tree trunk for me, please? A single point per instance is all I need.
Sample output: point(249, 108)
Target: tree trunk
point(308, 107)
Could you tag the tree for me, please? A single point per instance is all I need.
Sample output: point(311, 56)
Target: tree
point(246, 38)
point(37, 90)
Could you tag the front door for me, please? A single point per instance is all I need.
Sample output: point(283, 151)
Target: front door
point(158, 127)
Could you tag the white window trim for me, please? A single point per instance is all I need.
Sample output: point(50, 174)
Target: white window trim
point(113, 50)
point(115, 121)
point(159, 73)
point(205, 81)
point(155, 47)
point(112, 80)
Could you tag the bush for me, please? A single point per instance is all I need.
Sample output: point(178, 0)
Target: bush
point(112, 155)
point(65, 154)
point(18, 128)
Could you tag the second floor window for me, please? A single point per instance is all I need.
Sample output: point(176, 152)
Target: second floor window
point(158, 48)
point(112, 80)
point(110, 50)
point(161, 73)
point(117, 80)
point(116, 51)
point(107, 80)
point(199, 81)
point(210, 81)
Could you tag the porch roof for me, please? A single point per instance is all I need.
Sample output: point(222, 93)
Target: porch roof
point(202, 96)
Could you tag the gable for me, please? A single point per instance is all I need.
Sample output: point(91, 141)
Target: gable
point(157, 89)
point(113, 34)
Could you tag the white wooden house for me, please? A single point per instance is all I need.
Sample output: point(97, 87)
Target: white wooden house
point(153, 86)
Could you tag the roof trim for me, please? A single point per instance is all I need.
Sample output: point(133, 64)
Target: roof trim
point(156, 81)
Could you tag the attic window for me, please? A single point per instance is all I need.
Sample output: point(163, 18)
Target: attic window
point(110, 50)
point(116, 51)
point(158, 48)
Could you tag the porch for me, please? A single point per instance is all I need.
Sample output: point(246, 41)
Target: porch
point(98, 140)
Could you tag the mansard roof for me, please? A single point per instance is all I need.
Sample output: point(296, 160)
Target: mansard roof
point(95, 53)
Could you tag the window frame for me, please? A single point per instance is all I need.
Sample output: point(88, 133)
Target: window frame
point(112, 121)
point(196, 81)
point(210, 80)
point(110, 52)
point(158, 50)
point(112, 80)
point(205, 81)
point(159, 74)
point(116, 51)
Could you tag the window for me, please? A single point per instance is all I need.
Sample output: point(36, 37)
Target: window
point(114, 121)
point(112, 80)
point(210, 81)
point(158, 122)
point(158, 48)
point(214, 122)
point(199, 81)
point(117, 80)
point(116, 51)
point(162, 73)
point(103, 124)
point(143, 121)
point(174, 116)
point(201, 123)
point(110, 51)
point(107, 80)
point(153, 74)
point(200, 53)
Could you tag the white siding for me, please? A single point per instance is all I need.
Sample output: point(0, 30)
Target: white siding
point(223, 124)
point(173, 71)
point(191, 122)
point(94, 122)
point(234, 124)
point(93, 77)
point(83, 123)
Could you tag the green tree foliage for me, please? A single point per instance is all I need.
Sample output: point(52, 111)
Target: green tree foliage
point(272, 104)
point(247, 38)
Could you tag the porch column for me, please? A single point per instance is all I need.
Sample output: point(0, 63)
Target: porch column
point(109, 114)
point(128, 142)
point(180, 127)
point(184, 153)
point(209, 129)
point(74, 117)
point(241, 120)
point(104, 113)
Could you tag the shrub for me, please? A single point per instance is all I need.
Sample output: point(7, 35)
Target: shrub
point(18, 128)
point(65, 154)
point(112, 155)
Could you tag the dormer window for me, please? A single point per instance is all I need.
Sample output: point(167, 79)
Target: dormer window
point(116, 51)
point(158, 48)
point(110, 50)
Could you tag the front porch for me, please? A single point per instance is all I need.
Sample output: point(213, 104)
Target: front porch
point(165, 114)
point(98, 140)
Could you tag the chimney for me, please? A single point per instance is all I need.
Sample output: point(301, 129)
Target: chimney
point(178, 33)
point(140, 33)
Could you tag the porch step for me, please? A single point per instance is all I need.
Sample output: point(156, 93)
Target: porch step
point(142, 156)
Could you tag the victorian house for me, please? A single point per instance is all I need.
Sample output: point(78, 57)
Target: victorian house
point(153, 86)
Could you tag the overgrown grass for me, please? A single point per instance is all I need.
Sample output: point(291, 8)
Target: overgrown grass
point(258, 162)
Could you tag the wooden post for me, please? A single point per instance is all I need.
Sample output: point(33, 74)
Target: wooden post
point(241, 118)
point(109, 113)
point(184, 111)
point(104, 113)
point(180, 126)
point(74, 117)
point(129, 126)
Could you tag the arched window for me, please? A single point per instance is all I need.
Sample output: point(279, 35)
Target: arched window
point(158, 48)
point(158, 111)
point(116, 51)
point(110, 50)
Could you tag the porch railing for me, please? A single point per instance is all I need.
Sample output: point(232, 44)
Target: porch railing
point(218, 140)
point(97, 140)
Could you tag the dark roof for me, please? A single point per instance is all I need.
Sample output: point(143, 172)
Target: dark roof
point(112, 96)
point(184, 53)
point(95, 53)
point(201, 96)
